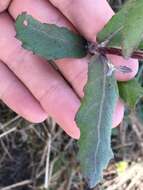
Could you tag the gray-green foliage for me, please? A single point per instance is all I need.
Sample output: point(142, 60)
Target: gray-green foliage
point(48, 40)
point(133, 27)
point(95, 120)
point(126, 27)
point(130, 92)
point(95, 114)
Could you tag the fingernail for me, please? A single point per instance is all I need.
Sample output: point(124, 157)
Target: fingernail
point(75, 133)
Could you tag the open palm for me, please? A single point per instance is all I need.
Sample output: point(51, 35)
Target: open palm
point(33, 88)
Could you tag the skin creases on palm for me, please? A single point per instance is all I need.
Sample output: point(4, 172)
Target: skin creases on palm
point(42, 93)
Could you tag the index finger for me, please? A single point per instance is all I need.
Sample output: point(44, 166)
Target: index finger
point(89, 17)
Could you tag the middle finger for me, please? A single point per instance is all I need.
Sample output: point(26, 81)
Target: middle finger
point(46, 85)
point(75, 70)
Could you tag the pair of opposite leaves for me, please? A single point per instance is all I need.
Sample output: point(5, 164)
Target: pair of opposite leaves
point(94, 117)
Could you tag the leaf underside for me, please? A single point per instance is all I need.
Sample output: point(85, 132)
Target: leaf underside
point(48, 40)
point(127, 25)
point(130, 91)
point(94, 119)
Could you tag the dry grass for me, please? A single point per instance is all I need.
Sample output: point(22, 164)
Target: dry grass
point(38, 156)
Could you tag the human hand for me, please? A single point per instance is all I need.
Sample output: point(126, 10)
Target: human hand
point(4, 4)
point(29, 85)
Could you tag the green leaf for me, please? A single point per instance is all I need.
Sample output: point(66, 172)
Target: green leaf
point(94, 119)
point(130, 91)
point(48, 40)
point(125, 28)
point(115, 25)
point(133, 28)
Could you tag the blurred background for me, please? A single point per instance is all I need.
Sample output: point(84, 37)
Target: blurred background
point(33, 157)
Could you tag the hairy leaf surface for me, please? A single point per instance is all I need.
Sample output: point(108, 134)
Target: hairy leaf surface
point(48, 40)
point(130, 91)
point(94, 119)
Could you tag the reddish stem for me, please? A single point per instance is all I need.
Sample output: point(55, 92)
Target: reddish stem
point(116, 51)
point(93, 48)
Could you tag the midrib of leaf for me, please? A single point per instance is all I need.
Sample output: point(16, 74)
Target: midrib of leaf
point(101, 109)
point(48, 40)
point(110, 30)
point(95, 143)
point(93, 105)
point(50, 36)
point(133, 28)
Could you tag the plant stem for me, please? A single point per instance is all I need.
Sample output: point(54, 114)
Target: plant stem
point(116, 51)
point(94, 48)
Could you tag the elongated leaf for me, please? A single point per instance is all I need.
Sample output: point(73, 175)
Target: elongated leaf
point(133, 28)
point(125, 28)
point(115, 25)
point(48, 40)
point(130, 91)
point(94, 119)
